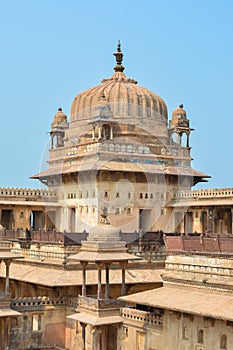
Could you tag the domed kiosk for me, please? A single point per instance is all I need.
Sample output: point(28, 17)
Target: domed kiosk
point(118, 153)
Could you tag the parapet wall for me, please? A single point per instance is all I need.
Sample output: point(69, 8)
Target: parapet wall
point(27, 193)
point(210, 243)
point(207, 193)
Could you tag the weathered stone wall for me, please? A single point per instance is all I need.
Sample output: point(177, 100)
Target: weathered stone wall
point(141, 330)
point(27, 331)
point(187, 332)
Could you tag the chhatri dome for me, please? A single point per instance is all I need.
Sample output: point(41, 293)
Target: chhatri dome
point(118, 126)
point(126, 98)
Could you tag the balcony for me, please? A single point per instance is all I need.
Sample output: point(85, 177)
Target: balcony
point(100, 307)
point(141, 318)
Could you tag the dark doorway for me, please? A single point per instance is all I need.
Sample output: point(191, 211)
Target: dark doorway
point(37, 220)
point(145, 220)
point(7, 219)
point(112, 337)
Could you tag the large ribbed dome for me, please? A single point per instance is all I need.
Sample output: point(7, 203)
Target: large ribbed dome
point(124, 96)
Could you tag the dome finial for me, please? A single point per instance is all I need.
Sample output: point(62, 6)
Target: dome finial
point(119, 58)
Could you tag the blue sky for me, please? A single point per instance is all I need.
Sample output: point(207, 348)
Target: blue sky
point(52, 50)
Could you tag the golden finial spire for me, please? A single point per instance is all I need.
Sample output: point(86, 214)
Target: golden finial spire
point(119, 58)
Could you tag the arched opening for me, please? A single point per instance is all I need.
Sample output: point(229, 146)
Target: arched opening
point(223, 342)
point(106, 132)
point(200, 336)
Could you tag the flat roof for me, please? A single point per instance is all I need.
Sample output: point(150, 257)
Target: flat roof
point(119, 166)
point(55, 277)
point(5, 312)
point(8, 255)
point(102, 256)
point(188, 300)
point(95, 320)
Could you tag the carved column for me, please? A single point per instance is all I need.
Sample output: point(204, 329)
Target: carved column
point(123, 265)
point(99, 290)
point(210, 220)
point(83, 265)
point(93, 132)
point(52, 143)
point(83, 325)
point(111, 132)
point(76, 220)
point(99, 132)
point(96, 339)
point(7, 263)
point(64, 218)
point(107, 281)
point(231, 220)
point(215, 220)
point(187, 143)
point(45, 220)
point(182, 222)
point(69, 220)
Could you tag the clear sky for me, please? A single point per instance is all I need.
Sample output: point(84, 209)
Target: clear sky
point(51, 50)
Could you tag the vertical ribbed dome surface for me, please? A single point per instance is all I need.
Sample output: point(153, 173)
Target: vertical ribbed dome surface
point(121, 93)
point(125, 98)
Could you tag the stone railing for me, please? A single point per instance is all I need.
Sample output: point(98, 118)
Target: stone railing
point(40, 235)
point(35, 302)
point(94, 303)
point(129, 314)
point(27, 194)
point(209, 243)
point(208, 193)
point(116, 147)
point(41, 255)
point(42, 348)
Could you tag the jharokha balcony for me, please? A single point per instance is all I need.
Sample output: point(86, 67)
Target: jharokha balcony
point(100, 307)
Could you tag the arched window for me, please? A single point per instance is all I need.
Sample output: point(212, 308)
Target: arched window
point(184, 329)
point(223, 342)
point(200, 336)
point(129, 211)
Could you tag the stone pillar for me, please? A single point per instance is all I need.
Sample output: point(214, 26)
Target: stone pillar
point(83, 325)
point(104, 338)
point(64, 219)
point(180, 223)
point(120, 335)
point(52, 143)
point(180, 139)
point(83, 265)
point(96, 339)
point(232, 220)
point(7, 284)
point(107, 281)
point(123, 265)
point(99, 132)
point(76, 220)
point(215, 220)
point(69, 220)
point(7, 333)
point(187, 142)
point(93, 132)
point(111, 132)
point(99, 290)
point(186, 223)
point(45, 220)
point(210, 220)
